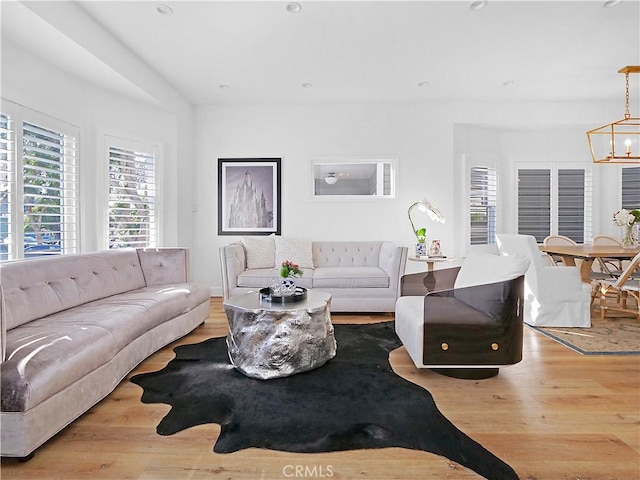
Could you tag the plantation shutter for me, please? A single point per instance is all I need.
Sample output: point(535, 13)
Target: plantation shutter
point(562, 206)
point(7, 184)
point(574, 204)
point(50, 191)
point(132, 198)
point(534, 203)
point(631, 188)
point(482, 205)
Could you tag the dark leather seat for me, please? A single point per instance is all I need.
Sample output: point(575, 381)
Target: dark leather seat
point(467, 331)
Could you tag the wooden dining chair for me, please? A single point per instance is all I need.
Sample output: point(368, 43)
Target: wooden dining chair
point(559, 240)
point(610, 266)
point(626, 286)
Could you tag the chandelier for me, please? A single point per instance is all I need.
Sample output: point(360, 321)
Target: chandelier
point(617, 142)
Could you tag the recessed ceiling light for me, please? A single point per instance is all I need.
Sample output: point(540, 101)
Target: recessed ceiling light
point(164, 10)
point(423, 84)
point(294, 7)
point(611, 3)
point(307, 85)
point(478, 5)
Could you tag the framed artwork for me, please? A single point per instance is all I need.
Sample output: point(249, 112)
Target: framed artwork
point(248, 196)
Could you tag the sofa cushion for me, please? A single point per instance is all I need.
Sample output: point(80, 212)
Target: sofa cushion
point(352, 277)
point(260, 251)
point(38, 287)
point(296, 250)
point(482, 268)
point(47, 355)
point(264, 277)
point(347, 254)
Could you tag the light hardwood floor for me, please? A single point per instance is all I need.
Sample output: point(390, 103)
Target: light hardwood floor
point(556, 415)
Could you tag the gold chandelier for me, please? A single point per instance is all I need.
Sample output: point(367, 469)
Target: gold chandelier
point(617, 142)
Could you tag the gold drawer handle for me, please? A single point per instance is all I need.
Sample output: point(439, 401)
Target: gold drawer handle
point(444, 346)
point(494, 346)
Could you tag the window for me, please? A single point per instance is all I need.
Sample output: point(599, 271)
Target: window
point(555, 201)
point(50, 185)
point(631, 188)
point(534, 203)
point(6, 183)
point(39, 207)
point(132, 198)
point(482, 205)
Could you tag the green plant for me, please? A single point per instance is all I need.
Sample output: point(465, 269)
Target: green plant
point(289, 269)
point(421, 235)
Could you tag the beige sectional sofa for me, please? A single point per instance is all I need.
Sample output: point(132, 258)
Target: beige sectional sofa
point(361, 276)
point(73, 326)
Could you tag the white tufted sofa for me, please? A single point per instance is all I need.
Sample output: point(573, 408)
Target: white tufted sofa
point(361, 276)
point(73, 326)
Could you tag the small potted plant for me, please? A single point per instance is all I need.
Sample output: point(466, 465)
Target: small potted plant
point(288, 271)
point(421, 245)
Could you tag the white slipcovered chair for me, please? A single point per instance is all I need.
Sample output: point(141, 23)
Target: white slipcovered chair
point(554, 296)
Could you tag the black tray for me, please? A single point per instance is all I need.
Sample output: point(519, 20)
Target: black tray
point(299, 295)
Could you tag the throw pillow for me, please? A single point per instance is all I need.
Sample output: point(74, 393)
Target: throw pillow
point(482, 268)
point(261, 251)
point(296, 250)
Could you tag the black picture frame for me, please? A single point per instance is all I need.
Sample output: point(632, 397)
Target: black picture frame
point(249, 201)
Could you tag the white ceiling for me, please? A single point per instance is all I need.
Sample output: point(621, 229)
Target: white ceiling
point(348, 51)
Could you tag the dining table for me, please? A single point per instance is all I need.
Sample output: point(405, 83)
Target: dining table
point(588, 254)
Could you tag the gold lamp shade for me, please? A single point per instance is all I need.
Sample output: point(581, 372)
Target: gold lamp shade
point(617, 142)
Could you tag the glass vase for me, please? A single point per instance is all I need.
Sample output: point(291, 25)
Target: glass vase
point(629, 237)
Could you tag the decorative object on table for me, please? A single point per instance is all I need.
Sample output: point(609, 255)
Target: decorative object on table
point(627, 219)
point(249, 196)
point(618, 142)
point(421, 233)
point(421, 245)
point(286, 284)
point(434, 249)
point(354, 401)
point(267, 295)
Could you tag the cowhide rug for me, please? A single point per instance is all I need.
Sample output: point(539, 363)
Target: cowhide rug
point(354, 401)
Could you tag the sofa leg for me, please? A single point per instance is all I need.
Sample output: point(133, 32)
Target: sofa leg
point(467, 373)
point(27, 458)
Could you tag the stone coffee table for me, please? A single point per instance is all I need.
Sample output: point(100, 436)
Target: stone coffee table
point(271, 340)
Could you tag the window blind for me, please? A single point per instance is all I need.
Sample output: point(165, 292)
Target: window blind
point(482, 205)
point(555, 201)
point(132, 198)
point(534, 203)
point(631, 188)
point(574, 204)
point(50, 191)
point(7, 184)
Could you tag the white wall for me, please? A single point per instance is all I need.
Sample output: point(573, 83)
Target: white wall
point(430, 141)
point(33, 83)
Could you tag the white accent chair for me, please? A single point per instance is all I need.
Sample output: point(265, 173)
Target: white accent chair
point(554, 296)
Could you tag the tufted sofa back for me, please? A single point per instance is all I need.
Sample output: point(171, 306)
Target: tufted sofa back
point(38, 287)
point(346, 254)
